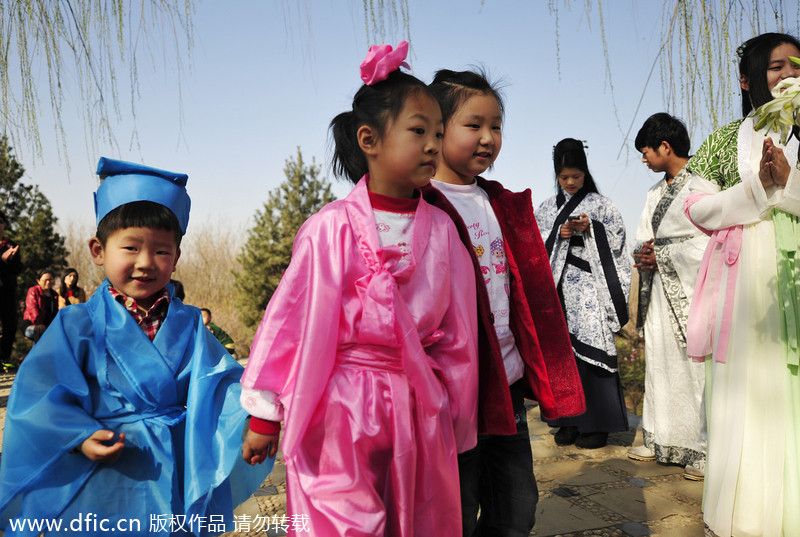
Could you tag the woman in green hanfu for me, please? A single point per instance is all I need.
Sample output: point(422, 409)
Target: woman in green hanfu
point(744, 316)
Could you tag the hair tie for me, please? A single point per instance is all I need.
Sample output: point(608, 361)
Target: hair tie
point(382, 60)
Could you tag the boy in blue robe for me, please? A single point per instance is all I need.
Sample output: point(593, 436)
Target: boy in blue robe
point(125, 417)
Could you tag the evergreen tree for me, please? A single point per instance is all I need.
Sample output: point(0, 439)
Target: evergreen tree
point(31, 222)
point(268, 249)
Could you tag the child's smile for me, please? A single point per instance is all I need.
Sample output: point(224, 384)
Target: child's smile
point(138, 261)
point(472, 140)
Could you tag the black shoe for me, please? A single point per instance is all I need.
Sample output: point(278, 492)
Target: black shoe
point(591, 440)
point(566, 436)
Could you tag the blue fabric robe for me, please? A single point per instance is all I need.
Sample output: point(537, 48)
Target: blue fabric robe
point(176, 399)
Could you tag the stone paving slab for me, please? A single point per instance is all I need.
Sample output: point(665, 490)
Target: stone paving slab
point(682, 488)
point(555, 515)
point(677, 526)
point(602, 492)
point(640, 468)
point(567, 472)
point(640, 504)
point(544, 450)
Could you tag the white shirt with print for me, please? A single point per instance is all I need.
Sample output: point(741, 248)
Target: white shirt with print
point(473, 205)
point(395, 229)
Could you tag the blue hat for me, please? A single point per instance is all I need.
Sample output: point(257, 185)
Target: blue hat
point(126, 182)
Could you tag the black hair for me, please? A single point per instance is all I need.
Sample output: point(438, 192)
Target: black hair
point(64, 287)
point(41, 273)
point(453, 88)
point(753, 64)
point(569, 153)
point(662, 127)
point(147, 214)
point(374, 106)
point(206, 310)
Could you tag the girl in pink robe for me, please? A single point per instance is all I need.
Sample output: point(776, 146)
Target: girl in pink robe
point(368, 346)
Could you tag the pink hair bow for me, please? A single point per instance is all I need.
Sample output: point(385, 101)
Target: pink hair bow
point(382, 60)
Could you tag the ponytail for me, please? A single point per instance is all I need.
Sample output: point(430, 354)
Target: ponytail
point(348, 159)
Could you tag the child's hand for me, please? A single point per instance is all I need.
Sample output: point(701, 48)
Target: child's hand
point(257, 447)
point(96, 449)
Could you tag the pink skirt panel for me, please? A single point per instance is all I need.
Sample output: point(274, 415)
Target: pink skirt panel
point(370, 464)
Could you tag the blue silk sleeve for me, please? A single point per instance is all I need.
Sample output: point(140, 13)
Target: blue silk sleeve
point(176, 399)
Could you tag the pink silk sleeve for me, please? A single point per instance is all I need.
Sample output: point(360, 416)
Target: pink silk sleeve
point(295, 345)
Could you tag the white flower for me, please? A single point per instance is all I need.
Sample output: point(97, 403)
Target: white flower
point(782, 112)
point(791, 85)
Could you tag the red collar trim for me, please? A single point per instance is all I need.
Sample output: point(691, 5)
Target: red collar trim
point(392, 204)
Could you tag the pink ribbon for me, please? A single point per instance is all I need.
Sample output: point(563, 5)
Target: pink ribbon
point(382, 60)
point(724, 246)
point(378, 314)
point(386, 322)
point(377, 292)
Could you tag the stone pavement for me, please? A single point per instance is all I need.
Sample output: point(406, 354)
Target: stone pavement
point(582, 492)
point(603, 492)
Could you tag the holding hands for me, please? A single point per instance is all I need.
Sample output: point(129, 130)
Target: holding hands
point(574, 225)
point(646, 257)
point(774, 168)
point(257, 447)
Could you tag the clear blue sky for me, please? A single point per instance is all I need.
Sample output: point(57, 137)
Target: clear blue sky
point(264, 81)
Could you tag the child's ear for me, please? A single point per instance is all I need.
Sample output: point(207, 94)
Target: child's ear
point(666, 147)
point(96, 249)
point(367, 139)
point(744, 82)
point(175, 263)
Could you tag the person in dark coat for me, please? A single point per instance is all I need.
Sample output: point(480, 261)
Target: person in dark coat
point(10, 267)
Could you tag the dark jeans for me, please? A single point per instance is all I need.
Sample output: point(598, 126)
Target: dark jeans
point(497, 476)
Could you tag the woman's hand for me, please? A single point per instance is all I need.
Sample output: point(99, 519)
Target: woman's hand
point(581, 225)
point(646, 257)
point(257, 447)
point(95, 447)
point(773, 168)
